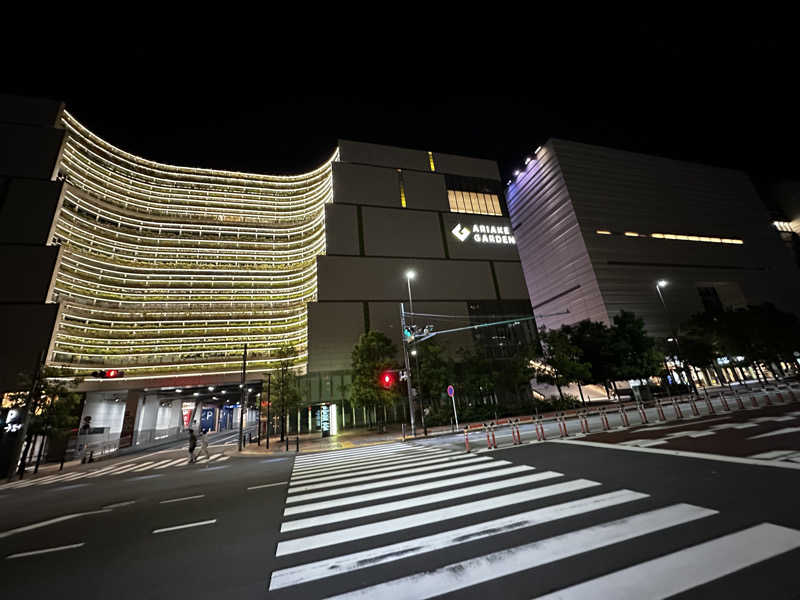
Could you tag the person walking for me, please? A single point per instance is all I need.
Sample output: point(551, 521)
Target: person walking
point(204, 445)
point(192, 445)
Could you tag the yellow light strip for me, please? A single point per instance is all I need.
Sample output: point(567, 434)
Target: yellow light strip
point(677, 236)
point(430, 158)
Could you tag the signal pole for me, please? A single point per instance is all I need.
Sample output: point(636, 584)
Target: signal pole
point(244, 398)
point(408, 368)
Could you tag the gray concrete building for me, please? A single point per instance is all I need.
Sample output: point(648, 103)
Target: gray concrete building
point(393, 209)
point(597, 228)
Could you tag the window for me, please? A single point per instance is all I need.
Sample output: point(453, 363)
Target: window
point(710, 299)
point(474, 203)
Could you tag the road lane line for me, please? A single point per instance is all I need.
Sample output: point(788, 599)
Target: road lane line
point(684, 453)
point(384, 473)
point(224, 458)
point(32, 526)
point(437, 542)
point(492, 464)
point(182, 499)
point(185, 526)
point(376, 509)
point(432, 516)
point(266, 485)
point(489, 567)
point(411, 489)
point(783, 431)
point(120, 504)
point(45, 551)
point(686, 569)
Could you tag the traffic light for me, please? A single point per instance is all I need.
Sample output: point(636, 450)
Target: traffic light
point(108, 374)
point(388, 379)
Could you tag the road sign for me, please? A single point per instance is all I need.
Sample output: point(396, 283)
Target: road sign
point(451, 391)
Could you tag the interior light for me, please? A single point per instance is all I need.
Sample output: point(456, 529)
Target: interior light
point(178, 390)
point(631, 234)
point(603, 232)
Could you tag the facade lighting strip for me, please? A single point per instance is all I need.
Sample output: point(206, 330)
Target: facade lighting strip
point(169, 270)
point(674, 236)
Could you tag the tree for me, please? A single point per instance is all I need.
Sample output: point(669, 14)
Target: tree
point(51, 407)
point(287, 396)
point(635, 355)
point(594, 339)
point(373, 354)
point(561, 360)
point(432, 372)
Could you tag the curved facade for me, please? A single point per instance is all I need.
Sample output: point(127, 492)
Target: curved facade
point(169, 270)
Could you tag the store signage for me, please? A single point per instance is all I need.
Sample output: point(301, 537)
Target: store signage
point(325, 420)
point(485, 234)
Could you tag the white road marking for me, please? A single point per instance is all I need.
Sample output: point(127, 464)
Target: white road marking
point(365, 461)
point(683, 570)
point(341, 456)
point(412, 489)
point(376, 509)
point(772, 454)
point(185, 526)
point(125, 469)
point(783, 431)
point(492, 566)
point(162, 462)
point(45, 551)
point(440, 541)
point(266, 485)
point(214, 457)
point(53, 521)
point(767, 419)
point(338, 454)
point(425, 518)
point(492, 464)
point(173, 463)
point(182, 499)
point(144, 466)
point(120, 504)
point(223, 458)
point(104, 471)
point(369, 466)
point(684, 454)
point(140, 477)
point(382, 474)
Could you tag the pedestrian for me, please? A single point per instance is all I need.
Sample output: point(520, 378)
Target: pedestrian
point(192, 445)
point(204, 445)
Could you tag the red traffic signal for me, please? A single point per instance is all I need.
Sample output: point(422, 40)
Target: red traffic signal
point(108, 374)
point(388, 379)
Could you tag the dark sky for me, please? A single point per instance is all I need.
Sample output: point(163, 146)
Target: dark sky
point(731, 102)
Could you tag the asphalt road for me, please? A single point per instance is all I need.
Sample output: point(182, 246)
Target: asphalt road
point(122, 557)
point(412, 521)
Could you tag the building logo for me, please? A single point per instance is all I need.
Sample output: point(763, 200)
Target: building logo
point(462, 233)
point(485, 234)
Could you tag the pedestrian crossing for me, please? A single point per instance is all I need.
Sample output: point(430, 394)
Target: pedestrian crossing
point(112, 470)
point(408, 521)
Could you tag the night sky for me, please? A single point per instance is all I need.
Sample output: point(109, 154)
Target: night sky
point(733, 104)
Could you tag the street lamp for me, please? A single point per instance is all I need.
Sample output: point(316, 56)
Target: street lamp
point(410, 274)
point(662, 283)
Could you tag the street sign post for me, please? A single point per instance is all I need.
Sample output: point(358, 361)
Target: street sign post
point(451, 391)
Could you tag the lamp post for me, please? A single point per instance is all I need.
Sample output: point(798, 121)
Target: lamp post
point(409, 276)
point(662, 283)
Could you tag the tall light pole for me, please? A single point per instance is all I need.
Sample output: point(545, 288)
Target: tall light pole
point(409, 276)
point(662, 283)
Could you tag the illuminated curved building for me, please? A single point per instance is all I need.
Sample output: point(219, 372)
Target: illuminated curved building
point(171, 270)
